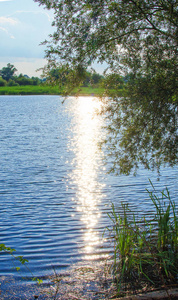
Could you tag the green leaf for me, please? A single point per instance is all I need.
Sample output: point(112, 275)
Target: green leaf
point(39, 281)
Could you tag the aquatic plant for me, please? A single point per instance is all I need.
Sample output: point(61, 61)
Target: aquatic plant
point(145, 251)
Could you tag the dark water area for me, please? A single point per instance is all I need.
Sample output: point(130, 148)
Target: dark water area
point(55, 192)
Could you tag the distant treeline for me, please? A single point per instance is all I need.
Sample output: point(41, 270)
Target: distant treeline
point(58, 77)
point(64, 76)
point(61, 75)
point(8, 77)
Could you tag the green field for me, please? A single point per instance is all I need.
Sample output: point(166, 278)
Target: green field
point(29, 90)
point(45, 90)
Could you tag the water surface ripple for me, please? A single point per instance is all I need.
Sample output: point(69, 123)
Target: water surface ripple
point(54, 190)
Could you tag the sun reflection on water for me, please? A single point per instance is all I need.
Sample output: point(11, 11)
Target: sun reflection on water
point(87, 169)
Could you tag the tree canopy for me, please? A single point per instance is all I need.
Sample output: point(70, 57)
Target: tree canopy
point(8, 77)
point(137, 39)
point(90, 30)
point(8, 72)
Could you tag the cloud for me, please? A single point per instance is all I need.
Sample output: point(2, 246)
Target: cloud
point(50, 18)
point(7, 24)
point(21, 31)
point(7, 20)
point(4, 29)
point(25, 65)
point(23, 26)
point(7, 32)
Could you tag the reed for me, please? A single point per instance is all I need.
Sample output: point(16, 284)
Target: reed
point(145, 251)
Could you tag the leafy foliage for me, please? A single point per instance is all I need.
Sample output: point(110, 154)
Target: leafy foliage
point(11, 251)
point(61, 75)
point(2, 82)
point(92, 30)
point(12, 82)
point(8, 77)
point(25, 80)
point(142, 130)
point(8, 72)
point(20, 259)
point(138, 40)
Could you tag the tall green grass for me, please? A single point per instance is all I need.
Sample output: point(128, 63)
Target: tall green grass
point(30, 90)
point(47, 90)
point(145, 251)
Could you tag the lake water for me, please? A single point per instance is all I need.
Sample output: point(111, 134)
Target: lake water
point(55, 192)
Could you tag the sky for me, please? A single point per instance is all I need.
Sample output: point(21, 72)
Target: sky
point(23, 26)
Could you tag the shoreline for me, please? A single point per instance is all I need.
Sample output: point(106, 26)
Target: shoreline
point(50, 91)
point(82, 281)
point(46, 90)
point(87, 282)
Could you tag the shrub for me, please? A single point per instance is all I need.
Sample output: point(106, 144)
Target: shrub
point(3, 82)
point(11, 82)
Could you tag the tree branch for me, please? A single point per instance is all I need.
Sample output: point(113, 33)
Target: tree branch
point(150, 22)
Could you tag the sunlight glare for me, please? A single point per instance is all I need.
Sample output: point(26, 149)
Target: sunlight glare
point(87, 163)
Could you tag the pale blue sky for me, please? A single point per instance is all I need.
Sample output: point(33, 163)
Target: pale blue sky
point(23, 26)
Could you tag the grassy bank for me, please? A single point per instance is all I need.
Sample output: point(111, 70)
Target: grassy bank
point(45, 90)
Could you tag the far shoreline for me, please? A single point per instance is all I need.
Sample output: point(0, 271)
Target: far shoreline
point(47, 90)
